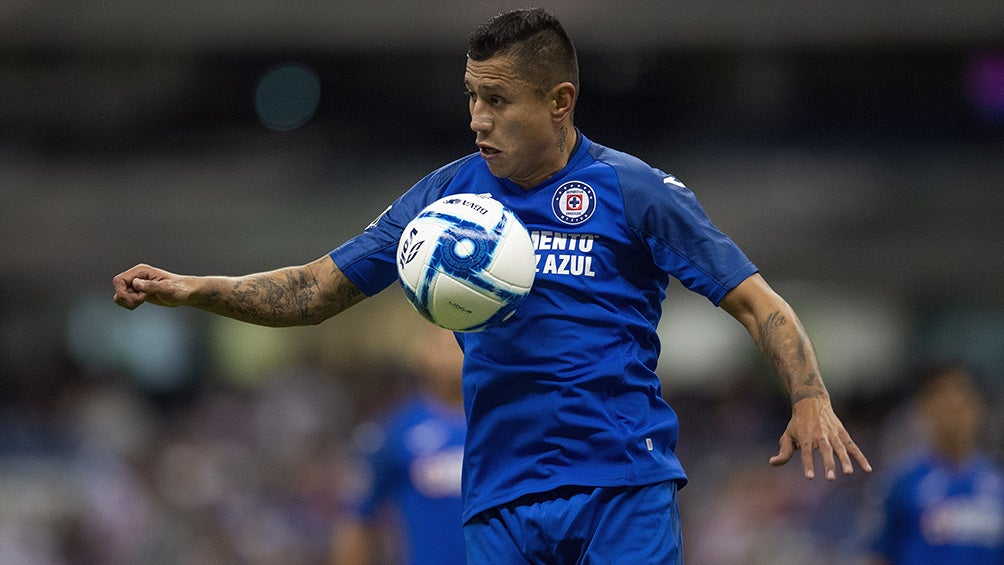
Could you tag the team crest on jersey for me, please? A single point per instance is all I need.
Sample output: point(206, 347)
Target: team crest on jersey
point(574, 202)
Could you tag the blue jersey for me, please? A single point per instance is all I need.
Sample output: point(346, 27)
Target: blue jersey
point(417, 467)
point(937, 513)
point(565, 392)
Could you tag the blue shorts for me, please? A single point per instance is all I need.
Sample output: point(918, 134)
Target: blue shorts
point(580, 525)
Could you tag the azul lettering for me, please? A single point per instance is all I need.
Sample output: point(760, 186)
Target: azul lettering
point(544, 240)
point(577, 263)
point(560, 264)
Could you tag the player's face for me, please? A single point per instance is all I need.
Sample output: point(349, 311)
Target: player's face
point(440, 362)
point(954, 410)
point(516, 133)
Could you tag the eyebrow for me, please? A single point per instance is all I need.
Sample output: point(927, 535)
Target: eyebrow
point(491, 85)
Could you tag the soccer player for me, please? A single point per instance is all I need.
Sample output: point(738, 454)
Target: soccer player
point(945, 506)
point(570, 445)
point(414, 461)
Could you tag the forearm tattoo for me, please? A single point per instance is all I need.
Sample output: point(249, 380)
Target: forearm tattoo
point(270, 300)
point(283, 298)
point(787, 348)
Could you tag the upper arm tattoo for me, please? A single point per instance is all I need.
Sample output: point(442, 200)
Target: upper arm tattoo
point(344, 292)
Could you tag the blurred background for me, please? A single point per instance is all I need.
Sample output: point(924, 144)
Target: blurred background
point(855, 150)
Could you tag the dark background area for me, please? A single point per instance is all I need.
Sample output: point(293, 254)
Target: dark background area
point(853, 150)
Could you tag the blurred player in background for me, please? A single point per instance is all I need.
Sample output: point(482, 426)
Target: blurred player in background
point(946, 506)
point(570, 445)
point(414, 462)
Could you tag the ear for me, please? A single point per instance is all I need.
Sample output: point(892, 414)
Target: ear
point(563, 97)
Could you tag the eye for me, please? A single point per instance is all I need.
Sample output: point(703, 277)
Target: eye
point(492, 100)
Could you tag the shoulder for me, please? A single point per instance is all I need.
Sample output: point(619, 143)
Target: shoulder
point(908, 473)
point(639, 181)
point(899, 488)
point(632, 172)
point(443, 175)
point(424, 192)
point(989, 470)
point(407, 413)
point(651, 196)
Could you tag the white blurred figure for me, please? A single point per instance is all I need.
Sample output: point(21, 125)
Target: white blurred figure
point(414, 460)
point(946, 505)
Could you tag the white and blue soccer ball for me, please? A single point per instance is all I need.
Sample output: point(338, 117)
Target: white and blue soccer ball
point(466, 262)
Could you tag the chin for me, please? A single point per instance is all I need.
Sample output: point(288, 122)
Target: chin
point(497, 171)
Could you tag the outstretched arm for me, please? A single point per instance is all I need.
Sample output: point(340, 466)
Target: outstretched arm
point(291, 296)
point(784, 343)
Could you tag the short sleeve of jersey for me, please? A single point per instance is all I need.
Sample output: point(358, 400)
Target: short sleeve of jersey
point(683, 240)
point(368, 259)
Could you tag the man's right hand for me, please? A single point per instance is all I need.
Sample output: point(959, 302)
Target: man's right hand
point(144, 283)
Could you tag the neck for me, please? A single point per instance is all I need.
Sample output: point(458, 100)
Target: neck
point(567, 142)
point(567, 139)
point(955, 451)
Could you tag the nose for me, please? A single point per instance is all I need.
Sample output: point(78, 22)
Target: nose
point(481, 121)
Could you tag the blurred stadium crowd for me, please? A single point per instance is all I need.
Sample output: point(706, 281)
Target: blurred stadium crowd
point(871, 164)
point(94, 470)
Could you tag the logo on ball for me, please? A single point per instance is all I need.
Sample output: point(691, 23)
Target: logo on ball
point(409, 249)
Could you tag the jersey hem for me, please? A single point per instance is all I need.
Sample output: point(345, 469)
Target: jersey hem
point(679, 477)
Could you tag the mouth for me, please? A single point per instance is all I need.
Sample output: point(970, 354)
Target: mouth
point(487, 150)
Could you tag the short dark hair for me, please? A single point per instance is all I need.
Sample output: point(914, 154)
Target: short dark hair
point(535, 40)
